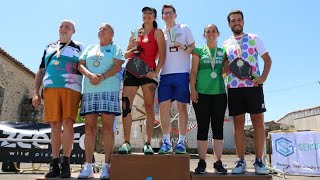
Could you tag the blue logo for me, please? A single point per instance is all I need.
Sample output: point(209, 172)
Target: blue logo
point(284, 147)
point(149, 178)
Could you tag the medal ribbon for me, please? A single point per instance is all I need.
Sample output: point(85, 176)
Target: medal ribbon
point(212, 60)
point(59, 52)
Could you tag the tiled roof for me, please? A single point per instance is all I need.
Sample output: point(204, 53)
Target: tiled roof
point(16, 62)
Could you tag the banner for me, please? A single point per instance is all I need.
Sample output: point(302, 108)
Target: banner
point(30, 142)
point(296, 152)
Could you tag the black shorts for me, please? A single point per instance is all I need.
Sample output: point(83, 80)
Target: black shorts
point(130, 80)
point(246, 100)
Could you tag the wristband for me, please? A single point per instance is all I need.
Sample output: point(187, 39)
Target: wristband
point(186, 47)
point(104, 76)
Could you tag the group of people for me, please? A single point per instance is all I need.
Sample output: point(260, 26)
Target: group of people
point(65, 64)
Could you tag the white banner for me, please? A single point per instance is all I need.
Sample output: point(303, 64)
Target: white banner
point(296, 152)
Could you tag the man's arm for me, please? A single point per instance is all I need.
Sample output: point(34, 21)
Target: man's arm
point(266, 69)
point(36, 99)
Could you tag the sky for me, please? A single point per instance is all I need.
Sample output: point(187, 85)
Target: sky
point(288, 28)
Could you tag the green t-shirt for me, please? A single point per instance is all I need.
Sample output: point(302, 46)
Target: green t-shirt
point(205, 84)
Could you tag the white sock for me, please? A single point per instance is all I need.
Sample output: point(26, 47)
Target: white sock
point(89, 165)
point(182, 138)
point(166, 137)
point(106, 164)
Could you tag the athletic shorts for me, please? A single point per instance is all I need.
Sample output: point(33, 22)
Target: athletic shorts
point(246, 100)
point(130, 80)
point(60, 104)
point(174, 87)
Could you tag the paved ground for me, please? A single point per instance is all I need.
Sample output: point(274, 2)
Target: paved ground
point(227, 159)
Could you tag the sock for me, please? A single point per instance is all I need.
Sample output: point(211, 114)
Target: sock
point(166, 137)
point(55, 161)
point(182, 138)
point(66, 159)
point(107, 164)
point(89, 165)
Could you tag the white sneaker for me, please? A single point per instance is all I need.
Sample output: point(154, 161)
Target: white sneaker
point(240, 168)
point(260, 168)
point(86, 172)
point(105, 172)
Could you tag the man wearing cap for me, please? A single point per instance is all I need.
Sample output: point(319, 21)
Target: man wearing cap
point(62, 86)
point(174, 81)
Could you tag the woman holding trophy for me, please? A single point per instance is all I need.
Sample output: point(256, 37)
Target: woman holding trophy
point(145, 46)
point(101, 89)
point(208, 95)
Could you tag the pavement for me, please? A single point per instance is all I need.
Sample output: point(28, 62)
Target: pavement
point(228, 160)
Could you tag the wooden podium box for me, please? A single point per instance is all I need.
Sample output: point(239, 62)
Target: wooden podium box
point(229, 176)
point(150, 167)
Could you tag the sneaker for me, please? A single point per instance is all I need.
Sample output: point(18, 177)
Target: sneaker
point(105, 172)
point(54, 170)
point(201, 169)
point(125, 148)
point(147, 149)
point(240, 168)
point(65, 170)
point(86, 172)
point(218, 167)
point(166, 147)
point(181, 148)
point(260, 168)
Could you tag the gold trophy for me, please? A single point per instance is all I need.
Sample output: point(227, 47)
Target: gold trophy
point(173, 37)
point(135, 35)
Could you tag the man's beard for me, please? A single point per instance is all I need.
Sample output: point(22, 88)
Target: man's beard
point(237, 31)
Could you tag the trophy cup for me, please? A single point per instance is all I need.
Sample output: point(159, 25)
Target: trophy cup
point(135, 35)
point(173, 37)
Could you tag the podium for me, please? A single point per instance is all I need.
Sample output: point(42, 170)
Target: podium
point(229, 176)
point(150, 167)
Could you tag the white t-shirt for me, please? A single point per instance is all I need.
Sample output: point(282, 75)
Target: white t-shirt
point(177, 62)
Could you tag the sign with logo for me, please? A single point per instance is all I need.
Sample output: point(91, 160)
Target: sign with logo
point(296, 152)
point(30, 142)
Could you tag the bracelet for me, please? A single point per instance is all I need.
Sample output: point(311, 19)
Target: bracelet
point(186, 47)
point(104, 76)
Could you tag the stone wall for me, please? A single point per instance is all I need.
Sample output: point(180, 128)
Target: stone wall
point(18, 85)
point(1, 97)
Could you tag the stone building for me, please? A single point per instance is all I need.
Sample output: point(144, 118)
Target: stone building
point(305, 119)
point(16, 89)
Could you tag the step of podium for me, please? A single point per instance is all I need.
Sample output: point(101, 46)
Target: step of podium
point(150, 167)
point(250, 175)
point(73, 177)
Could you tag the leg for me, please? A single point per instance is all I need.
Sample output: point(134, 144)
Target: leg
point(108, 135)
point(217, 112)
point(56, 133)
point(90, 134)
point(148, 91)
point(239, 136)
point(128, 92)
point(202, 112)
point(67, 136)
point(183, 118)
point(259, 133)
point(165, 117)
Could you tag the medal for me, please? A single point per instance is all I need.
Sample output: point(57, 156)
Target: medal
point(213, 75)
point(96, 63)
point(59, 52)
point(240, 63)
point(56, 62)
